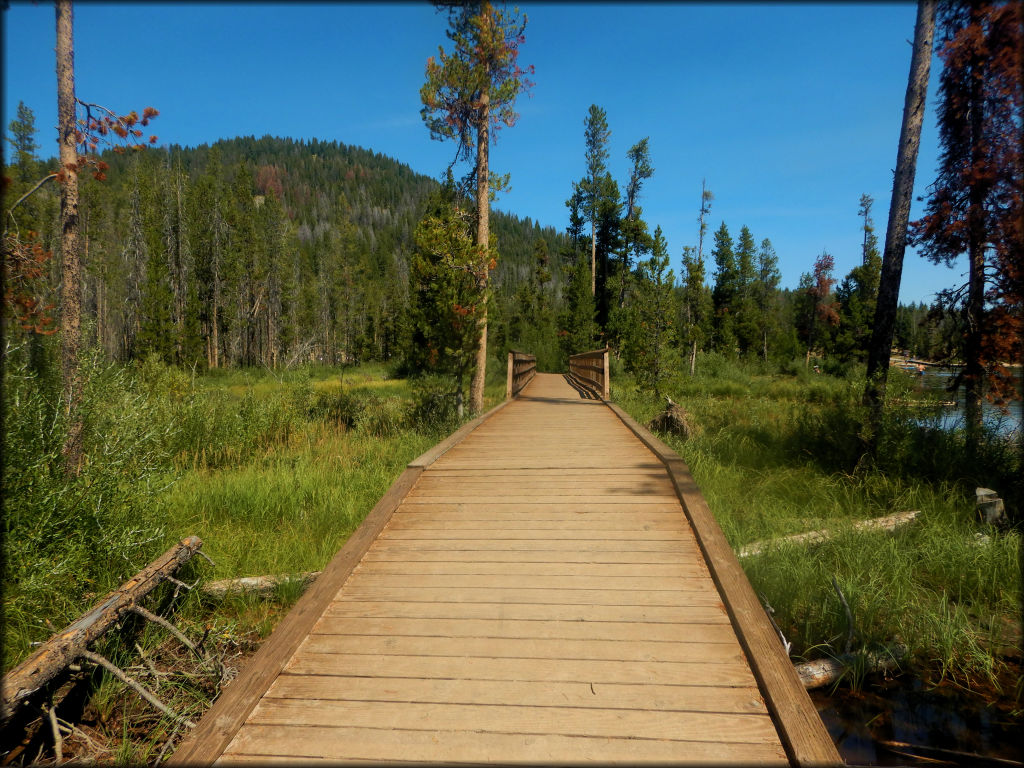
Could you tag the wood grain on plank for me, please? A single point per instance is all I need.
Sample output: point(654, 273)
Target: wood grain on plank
point(461, 747)
point(722, 727)
point(536, 629)
point(539, 670)
point(689, 614)
point(696, 650)
point(802, 731)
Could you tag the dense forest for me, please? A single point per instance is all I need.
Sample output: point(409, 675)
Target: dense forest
point(250, 252)
point(275, 252)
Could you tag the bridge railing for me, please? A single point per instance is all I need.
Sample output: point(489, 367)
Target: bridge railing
point(521, 368)
point(590, 369)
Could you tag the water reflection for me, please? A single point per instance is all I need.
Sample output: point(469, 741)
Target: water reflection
point(870, 727)
point(936, 381)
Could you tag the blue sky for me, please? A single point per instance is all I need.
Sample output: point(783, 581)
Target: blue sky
point(789, 111)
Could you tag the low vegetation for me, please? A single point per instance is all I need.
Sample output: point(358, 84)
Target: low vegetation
point(779, 453)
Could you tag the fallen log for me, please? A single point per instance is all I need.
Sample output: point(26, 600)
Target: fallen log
point(263, 586)
point(888, 523)
point(73, 641)
point(821, 672)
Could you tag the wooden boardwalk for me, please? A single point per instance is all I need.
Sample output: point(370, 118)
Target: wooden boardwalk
point(533, 594)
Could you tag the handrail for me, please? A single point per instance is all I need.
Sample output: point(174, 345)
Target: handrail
point(590, 369)
point(521, 368)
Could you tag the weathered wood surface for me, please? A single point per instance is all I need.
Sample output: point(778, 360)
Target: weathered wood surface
point(590, 371)
point(536, 596)
point(522, 367)
point(71, 642)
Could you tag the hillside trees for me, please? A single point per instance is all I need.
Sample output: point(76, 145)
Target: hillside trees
point(468, 93)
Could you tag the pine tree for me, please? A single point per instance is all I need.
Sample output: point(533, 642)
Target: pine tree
point(765, 291)
point(650, 344)
point(725, 292)
point(858, 293)
point(596, 135)
point(975, 206)
point(695, 306)
point(446, 297)
point(747, 327)
point(469, 93)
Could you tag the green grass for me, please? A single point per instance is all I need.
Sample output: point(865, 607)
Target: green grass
point(776, 455)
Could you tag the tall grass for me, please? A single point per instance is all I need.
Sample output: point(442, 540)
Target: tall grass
point(273, 470)
point(778, 454)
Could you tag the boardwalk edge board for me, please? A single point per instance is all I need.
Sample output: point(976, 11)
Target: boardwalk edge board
point(803, 734)
point(218, 726)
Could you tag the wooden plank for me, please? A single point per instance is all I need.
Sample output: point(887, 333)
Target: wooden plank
point(537, 629)
point(676, 614)
point(669, 698)
point(398, 533)
point(635, 649)
point(402, 553)
point(803, 734)
point(565, 597)
point(722, 727)
point(435, 746)
point(475, 521)
point(700, 584)
point(221, 722)
point(660, 570)
point(539, 670)
point(502, 507)
point(674, 546)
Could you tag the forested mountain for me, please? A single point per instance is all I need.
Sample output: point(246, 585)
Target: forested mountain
point(256, 251)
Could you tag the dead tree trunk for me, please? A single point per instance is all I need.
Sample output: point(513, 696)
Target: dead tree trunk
point(65, 646)
point(71, 268)
point(899, 215)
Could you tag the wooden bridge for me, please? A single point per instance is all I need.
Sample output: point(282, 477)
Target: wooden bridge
point(547, 585)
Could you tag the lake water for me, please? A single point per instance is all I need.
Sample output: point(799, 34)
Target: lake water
point(937, 380)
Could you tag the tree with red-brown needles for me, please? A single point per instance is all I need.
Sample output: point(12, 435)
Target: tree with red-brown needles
point(975, 204)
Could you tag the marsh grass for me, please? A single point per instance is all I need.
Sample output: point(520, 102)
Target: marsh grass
point(776, 455)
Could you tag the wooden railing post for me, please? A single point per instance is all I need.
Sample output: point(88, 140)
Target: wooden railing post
point(508, 378)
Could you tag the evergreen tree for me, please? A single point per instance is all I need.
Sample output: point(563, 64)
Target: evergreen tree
point(747, 326)
point(725, 292)
point(447, 300)
point(765, 292)
point(469, 93)
point(858, 293)
point(975, 207)
point(593, 187)
point(649, 347)
point(695, 306)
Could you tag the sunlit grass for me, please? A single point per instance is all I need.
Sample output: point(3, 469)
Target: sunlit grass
point(775, 456)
